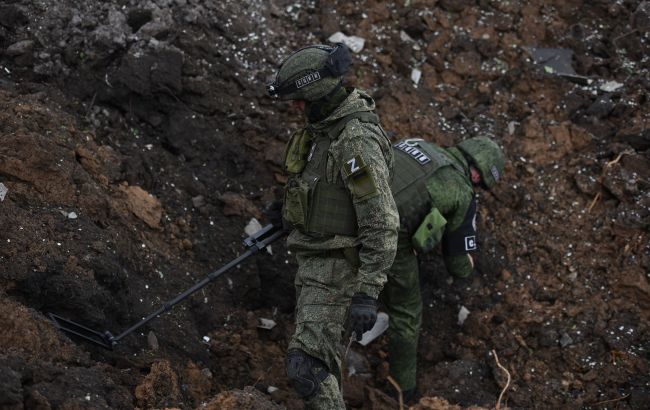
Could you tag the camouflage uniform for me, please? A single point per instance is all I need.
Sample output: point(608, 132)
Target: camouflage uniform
point(332, 267)
point(449, 196)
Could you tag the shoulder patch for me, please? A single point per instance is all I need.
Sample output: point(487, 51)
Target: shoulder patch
point(362, 184)
point(354, 166)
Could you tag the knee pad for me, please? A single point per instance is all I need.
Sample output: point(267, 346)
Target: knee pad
point(305, 372)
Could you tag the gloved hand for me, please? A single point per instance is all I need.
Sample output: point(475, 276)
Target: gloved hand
point(363, 313)
point(273, 213)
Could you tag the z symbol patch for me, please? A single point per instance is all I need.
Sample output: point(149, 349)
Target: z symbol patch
point(354, 165)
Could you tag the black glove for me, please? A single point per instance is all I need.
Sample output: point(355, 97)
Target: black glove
point(363, 313)
point(273, 213)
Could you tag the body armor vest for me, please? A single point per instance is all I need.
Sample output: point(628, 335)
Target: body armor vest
point(415, 162)
point(311, 204)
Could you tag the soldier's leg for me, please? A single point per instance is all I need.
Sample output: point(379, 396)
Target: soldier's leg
point(403, 302)
point(313, 362)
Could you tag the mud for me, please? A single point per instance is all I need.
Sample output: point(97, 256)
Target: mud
point(136, 142)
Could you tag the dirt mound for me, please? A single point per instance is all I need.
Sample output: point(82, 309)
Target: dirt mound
point(136, 142)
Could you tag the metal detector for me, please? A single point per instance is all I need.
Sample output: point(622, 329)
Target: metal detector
point(254, 243)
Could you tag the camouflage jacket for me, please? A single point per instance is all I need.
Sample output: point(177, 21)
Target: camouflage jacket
point(376, 214)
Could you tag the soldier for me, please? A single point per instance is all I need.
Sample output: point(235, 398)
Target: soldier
point(344, 219)
point(433, 189)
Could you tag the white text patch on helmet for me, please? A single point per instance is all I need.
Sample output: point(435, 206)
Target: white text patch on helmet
point(413, 151)
point(308, 79)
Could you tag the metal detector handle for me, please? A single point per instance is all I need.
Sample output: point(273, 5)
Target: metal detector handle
point(256, 242)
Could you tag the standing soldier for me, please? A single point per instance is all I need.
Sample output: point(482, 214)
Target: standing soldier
point(344, 219)
point(433, 189)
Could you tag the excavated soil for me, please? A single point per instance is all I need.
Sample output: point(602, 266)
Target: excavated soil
point(137, 142)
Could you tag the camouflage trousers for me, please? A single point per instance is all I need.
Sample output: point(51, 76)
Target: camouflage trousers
point(402, 301)
point(323, 290)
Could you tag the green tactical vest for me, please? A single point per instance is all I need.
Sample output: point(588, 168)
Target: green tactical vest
point(311, 204)
point(415, 161)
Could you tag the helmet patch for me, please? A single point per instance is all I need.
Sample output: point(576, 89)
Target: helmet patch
point(308, 79)
point(495, 173)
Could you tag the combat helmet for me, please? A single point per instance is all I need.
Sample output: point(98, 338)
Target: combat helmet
point(311, 73)
point(484, 154)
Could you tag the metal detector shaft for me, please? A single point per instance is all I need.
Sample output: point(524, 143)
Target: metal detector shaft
point(254, 243)
point(212, 276)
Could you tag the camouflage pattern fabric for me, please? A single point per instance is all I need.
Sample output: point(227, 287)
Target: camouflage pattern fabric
point(326, 280)
point(377, 216)
point(451, 193)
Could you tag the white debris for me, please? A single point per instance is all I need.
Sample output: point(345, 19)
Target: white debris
point(206, 339)
point(416, 74)
point(377, 330)
point(72, 215)
point(267, 324)
point(511, 127)
point(354, 43)
point(611, 86)
point(403, 35)
point(271, 389)
point(462, 315)
point(3, 191)
point(253, 227)
point(87, 397)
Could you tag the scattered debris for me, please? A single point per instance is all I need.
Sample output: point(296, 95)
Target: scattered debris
point(206, 339)
point(271, 389)
point(267, 324)
point(565, 340)
point(416, 74)
point(557, 61)
point(462, 315)
point(3, 191)
point(354, 43)
point(377, 330)
point(610, 86)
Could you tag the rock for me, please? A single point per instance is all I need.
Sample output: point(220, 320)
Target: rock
point(565, 340)
point(143, 205)
point(3, 191)
point(20, 48)
point(152, 341)
point(198, 201)
point(113, 34)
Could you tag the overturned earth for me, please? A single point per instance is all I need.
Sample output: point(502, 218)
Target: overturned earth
point(137, 143)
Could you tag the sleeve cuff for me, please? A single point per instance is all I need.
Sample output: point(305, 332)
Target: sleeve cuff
point(370, 290)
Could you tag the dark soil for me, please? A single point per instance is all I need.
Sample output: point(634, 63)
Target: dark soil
point(137, 142)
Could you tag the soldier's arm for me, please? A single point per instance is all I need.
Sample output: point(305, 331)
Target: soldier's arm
point(454, 197)
point(366, 174)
